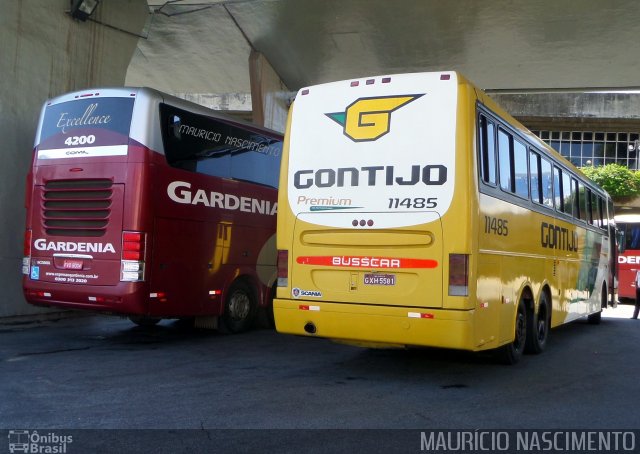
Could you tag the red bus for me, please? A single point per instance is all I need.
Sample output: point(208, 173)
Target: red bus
point(148, 206)
point(629, 258)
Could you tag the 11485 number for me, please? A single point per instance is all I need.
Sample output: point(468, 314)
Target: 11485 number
point(496, 226)
point(417, 202)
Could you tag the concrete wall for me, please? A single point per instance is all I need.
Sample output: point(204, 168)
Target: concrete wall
point(269, 95)
point(45, 53)
point(610, 111)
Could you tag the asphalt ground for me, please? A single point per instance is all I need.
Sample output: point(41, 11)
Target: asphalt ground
point(97, 374)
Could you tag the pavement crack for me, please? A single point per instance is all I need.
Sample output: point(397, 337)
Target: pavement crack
point(20, 356)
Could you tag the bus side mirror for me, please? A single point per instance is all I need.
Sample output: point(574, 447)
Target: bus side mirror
point(620, 240)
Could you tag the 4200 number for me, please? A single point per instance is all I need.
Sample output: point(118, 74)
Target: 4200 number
point(80, 140)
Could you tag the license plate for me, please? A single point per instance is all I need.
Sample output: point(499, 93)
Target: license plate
point(379, 279)
point(72, 264)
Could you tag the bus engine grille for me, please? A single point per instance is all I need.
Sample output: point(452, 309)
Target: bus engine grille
point(77, 207)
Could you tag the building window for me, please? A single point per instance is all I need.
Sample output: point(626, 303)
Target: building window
point(585, 148)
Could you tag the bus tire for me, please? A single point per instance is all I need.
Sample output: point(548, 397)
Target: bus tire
point(144, 321)
point(595, 319)
point(239, 308)
point(538, 326)
point(512, 352)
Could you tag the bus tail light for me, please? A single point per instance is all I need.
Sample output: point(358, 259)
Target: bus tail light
point(158, 296)
point(26, 252)
point(458, 275)
point(38, 294)
point(283, 268)
point(132, 261)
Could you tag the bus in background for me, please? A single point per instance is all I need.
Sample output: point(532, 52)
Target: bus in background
point(148, 206)
point(629, 259)
point(414, 211)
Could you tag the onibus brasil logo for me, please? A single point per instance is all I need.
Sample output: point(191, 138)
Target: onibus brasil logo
point(368, 119)
point(32, 442)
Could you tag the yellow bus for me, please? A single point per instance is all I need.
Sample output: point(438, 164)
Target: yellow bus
point(414, 211)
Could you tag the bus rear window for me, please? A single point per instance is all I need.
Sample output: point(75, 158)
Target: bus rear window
point(100, 121)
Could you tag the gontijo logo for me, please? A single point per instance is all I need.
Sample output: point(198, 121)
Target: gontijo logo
point(368, 119)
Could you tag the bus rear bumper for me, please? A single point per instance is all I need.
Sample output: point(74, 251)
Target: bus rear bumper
point(121, 299)
point(371, 326)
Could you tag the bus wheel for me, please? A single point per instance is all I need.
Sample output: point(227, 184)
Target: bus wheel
point(512, 352)
point(538, 327)
point(239, 308)
point(142, 320)
point(594, 319)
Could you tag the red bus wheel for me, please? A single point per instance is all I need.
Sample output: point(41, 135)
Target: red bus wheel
point(239, 308)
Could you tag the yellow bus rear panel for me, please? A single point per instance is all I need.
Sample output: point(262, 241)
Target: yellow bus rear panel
point(379, 325)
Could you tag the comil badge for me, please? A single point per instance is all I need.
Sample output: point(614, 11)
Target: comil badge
point(368, 119)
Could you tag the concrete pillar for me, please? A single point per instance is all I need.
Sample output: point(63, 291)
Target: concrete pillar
point(269, 95)
point(46, 53)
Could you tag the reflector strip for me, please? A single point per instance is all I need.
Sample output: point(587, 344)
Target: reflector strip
point(304, 307)
point(367, 262)
point(419, 315)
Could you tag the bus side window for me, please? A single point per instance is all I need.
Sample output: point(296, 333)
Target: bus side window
point(557, 188)
point(487, 150)
point(547, 182)
point(258, 167)
point(592, 213)
point(601, 211)
point(536, 180)
point(634, 238)
point(520, 171)
point(581, 199)
point(504, 160)
point(567, 194)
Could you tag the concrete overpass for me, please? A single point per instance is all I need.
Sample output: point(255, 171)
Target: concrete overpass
point(538, 59)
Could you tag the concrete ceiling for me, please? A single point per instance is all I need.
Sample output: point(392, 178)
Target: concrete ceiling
point(203, 46)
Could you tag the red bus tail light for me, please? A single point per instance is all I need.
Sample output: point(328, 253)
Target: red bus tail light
point(458, 275)
point(133, 246)
point(26, 252)
point(283, 268)
point(132, 262)
point(27, 243)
